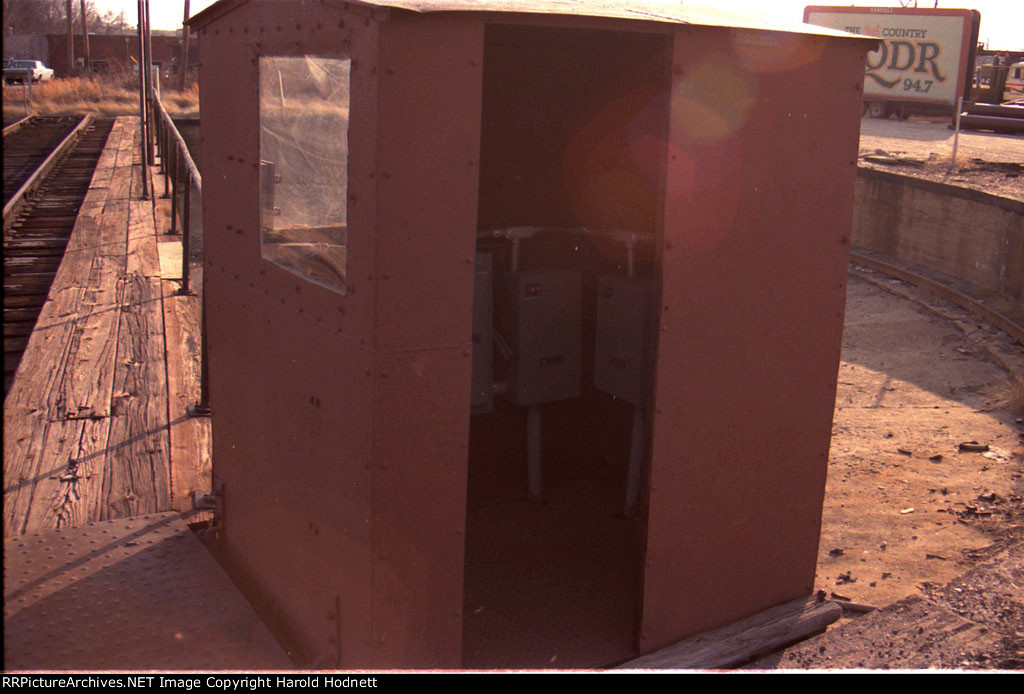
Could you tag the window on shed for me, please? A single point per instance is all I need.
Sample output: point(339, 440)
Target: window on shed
point(304, 104)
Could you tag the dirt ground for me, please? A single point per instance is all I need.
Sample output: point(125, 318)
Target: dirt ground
point(907, 507)
point(923, 148)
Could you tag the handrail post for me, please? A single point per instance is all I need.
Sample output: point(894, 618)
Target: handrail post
point(160, 132)
point(174, 193)
point(165, 163)
point(186, 233)
point(202, 409)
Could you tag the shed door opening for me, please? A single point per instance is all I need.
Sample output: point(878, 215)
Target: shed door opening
point(572, 154)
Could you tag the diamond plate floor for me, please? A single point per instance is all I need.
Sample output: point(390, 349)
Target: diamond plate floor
point(137, 593)
point(551, 586)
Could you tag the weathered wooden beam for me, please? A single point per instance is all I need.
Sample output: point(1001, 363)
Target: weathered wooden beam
point(740, 641)
point(95, 261)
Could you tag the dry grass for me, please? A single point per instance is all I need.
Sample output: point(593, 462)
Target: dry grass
point(104, 95)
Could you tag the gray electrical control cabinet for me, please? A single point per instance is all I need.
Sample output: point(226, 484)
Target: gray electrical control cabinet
point(622, 350)
point(482, 397)
point(538, 316)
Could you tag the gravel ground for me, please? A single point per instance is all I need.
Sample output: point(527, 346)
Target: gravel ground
point(923, 148)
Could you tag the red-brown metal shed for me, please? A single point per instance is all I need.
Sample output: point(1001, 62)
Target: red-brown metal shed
point(431, 226)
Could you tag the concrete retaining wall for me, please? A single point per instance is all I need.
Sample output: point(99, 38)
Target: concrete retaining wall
point(971, 235)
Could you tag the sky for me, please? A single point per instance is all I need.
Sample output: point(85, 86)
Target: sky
point(1002, 21)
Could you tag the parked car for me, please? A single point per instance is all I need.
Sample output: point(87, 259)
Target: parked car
point(26, 70)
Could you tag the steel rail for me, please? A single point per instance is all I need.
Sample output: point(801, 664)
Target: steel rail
point(17, 125)
point(1000, 320)
point(13, 206)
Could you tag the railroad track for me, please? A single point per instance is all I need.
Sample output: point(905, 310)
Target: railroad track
point(1009, 324)
point(37, 228)
point(27, 144)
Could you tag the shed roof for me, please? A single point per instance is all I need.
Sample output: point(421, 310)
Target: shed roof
point(641, 10)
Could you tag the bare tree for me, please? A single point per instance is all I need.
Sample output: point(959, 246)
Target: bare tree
point(50, 17)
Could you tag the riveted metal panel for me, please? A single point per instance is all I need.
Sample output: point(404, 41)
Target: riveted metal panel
point(762, 158)
point(230, 127)
point(293, 449)
point(428, 174)
point(427, 157)
point(645, 10)
point(290, 361)
point(138, 593)
point(420, 449)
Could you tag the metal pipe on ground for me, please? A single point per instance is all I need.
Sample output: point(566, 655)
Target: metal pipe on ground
point(994, 123)
point(996, 110)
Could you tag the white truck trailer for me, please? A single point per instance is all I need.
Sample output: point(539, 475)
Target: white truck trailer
point(924, 63)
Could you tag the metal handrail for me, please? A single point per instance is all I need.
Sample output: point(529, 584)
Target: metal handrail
point(180, 171)
point(183, 173)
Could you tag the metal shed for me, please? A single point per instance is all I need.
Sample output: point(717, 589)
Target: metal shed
point(524, 319)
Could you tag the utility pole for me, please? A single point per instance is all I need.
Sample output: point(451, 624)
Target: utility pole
point(150, 89)
point(142, 98)
point(183, 66)
point(71, 41)
point(85, 38)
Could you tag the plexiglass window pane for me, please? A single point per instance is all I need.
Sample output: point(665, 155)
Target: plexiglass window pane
point(304, 166)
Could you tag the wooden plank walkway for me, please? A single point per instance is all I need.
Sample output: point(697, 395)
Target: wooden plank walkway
point(95, 424)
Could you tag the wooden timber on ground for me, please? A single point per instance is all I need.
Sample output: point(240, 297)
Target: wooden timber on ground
point(740, 641)
point(95, 424)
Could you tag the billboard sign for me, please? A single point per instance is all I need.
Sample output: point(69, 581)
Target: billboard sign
point(922, 55)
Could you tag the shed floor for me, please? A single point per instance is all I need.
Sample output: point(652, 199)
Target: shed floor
point(551, 585)
point(95, 423)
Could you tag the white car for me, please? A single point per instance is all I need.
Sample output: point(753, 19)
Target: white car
point(26, 70)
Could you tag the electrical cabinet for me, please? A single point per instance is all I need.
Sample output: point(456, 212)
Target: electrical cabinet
point(622, 349)
point(538, 319)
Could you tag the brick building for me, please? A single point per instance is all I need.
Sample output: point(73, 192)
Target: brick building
point(108, 52)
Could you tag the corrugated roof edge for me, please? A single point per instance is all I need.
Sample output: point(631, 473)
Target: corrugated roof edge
point(639, 10)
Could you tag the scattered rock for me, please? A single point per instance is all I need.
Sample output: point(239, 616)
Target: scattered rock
point(907, 510)
point(937, 458)
point(903, 451)
point(845, 578)
point(837, 552)
point(973, 447)
point(994, 453)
